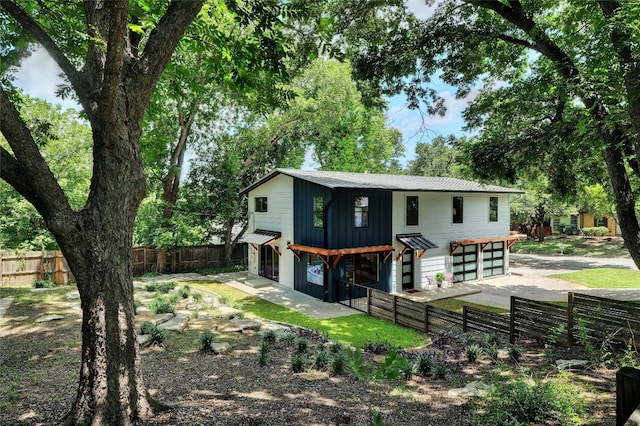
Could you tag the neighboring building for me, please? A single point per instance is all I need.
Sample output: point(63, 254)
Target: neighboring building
point(572, 224)
point(315, 231)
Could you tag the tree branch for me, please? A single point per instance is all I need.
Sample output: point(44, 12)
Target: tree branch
point(27, 171)
point(158, 50)
point(32, 27)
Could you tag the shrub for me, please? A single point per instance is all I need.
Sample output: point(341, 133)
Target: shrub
point(378, 347)
point(297, 363)
point(301, 345)
point(207, 338)
point(440, 371)
point(338, 362)
point(223, 300)
point(358, 366)
point(524, 403)
point(335, 347)
point(146, 327)
point(45, 283)
point(166, 287)
point(263, 353)
point(473, 352)
point(157, 334)
point(184, 292)
point(173, 298)
point(424, 364)
point(320, 360)
point(514, 352)
point(492, 351)
point(289, 338)
point(269, 336)
point(161, 305)
point(467, 339)
point(490, 339)
point(151, 287)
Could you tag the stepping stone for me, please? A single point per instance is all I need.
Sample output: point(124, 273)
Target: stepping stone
point(229, 327)
point(143, 339)
point(568, 364)
point(17, 319)
point(246, 324)
point(475, 388)
point(144, 294)
point(312, 376)
point(177, 323)
point(156, 319)
point(220, 347)
point(51, 317)
point(228, 312)
point(275, 327)
point(74, 295)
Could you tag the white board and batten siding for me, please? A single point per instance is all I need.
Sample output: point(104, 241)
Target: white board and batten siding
point(435, 223)
point(278, 217)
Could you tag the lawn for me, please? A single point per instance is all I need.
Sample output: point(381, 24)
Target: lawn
point(354, 330)
point(603, 278)
point(573, 246)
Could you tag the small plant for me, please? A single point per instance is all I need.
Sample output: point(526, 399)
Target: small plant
point(320, 360)
point(223, 300)
point(197, 296)
point(166, 287)
point(467, 339)
point(514, 352)
point(173, 298)
point(440, 371)
point(375, 418)
point(161, 305)
point(335, 347)
point(184, 292)
point(288, 338)
point(147, 327)
point(440, 277)
point(297, 363)
point(408, 369)
point(358, 366)
point(392, 367)
point(269, 336)
point(493, 352)
point(423, 364)
point(378, 347)
point(264, 352)
point(207, 338)
point(301, 345)
point(490, 339)
point(157, 334)
point(473, 352)
point(151, 287)
point(338, 362)
point(136, 305)
point(44, 283)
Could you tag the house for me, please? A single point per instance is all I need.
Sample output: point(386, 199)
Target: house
point(319, 231)
point(572, 224)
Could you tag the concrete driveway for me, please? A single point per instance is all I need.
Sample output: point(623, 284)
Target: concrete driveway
point(530, 278)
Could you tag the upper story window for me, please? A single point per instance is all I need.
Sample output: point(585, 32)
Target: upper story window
point(318, 211)
point(261, 204)
point(493, 209)
point(412, 210)
point(361, 211)
point(457, 209)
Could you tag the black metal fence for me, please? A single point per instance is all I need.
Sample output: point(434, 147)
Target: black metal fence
point(353, 295)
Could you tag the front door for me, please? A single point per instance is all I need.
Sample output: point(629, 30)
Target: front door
point(407, 270)
point(269, 263)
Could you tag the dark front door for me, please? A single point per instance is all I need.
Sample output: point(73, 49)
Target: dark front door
point(269, 263)
point(407, 270)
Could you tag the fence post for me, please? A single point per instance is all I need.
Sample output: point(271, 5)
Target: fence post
point(369, 301)
point(393, 308)
point(1, 269)
point(512, 321)
point(627, 393)
point(426, 318)
point(464, 318)
point(570, 307)
point(58, 268)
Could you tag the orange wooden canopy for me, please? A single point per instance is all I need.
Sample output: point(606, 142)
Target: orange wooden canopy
point(331, 257)
point(484, 242)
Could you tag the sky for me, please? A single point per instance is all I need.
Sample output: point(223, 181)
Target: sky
point(39, 77)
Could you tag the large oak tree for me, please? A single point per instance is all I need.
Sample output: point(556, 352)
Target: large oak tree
point(113, 72)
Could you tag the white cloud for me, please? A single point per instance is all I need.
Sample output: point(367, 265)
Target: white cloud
point(420, 8)
point(39, 77)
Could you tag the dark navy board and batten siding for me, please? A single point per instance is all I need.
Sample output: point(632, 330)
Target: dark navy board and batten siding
point(340, 232)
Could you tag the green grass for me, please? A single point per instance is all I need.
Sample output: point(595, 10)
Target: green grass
point(603, 278)
point(354, 329)
point(573, 246)
point(457, 304)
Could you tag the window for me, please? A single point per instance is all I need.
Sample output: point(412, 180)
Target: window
point(603, 221)
point(574, 221)
point(318, 211)
point(315, 270)
point(412, 210)
point(361, 212)
point(261, 204)
point(362, 268)
point(457, 209)
point(493, 209)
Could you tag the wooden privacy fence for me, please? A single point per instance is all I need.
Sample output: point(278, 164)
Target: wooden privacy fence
point(597, 317)
point(188, 259)
point(18, 269)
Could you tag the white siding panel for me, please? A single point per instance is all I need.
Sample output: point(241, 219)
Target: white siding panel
point(278, 217)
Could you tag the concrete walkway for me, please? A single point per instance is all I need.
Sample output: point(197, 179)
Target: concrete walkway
point(4, 305)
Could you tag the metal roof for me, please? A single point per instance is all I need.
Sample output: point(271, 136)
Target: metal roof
point(346, 180)
point(415, 241)
point(260, 236)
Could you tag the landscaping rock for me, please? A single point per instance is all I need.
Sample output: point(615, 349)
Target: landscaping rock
point(569, 364)
point(228, 327)
point(17, 319)
point(220, 347)
point(312, 376)
point(475, 388)
point(74, 295)
point(246, 324)
point(177, 323)
point(145, 294)
point(228, 312)
point(143, 339)
point(51, 317)
point(155, 319)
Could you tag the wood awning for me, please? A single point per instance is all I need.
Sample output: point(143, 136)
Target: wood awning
point(331, 257)
point(262, 237)
point(414, 242)
point(484, 242)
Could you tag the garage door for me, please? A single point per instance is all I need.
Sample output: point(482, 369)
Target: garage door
point(465, 263)
point(493, 259)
